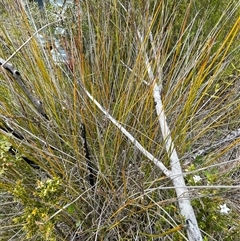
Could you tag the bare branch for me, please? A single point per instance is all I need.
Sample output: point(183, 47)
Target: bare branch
point(181, 189)
point(16, 75)
point(128, 135)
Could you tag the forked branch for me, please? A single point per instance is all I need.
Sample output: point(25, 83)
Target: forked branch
point(185, 206)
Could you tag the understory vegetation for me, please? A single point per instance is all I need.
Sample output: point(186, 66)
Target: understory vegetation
point(67, 171)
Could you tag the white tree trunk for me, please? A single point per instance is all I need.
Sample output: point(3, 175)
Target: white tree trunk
point(176, 175)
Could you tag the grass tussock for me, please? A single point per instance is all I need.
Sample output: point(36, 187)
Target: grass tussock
point(45, 186)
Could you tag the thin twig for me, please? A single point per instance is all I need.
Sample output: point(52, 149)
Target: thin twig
point(16, 75)
point(26, 42)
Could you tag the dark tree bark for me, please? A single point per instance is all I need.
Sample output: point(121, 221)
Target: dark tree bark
point(40, 3)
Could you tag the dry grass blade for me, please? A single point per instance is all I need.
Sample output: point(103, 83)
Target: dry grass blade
point(87, 66)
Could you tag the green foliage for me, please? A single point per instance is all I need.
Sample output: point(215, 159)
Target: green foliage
point(211, 220)
point(210, 217)
point(7, 160)
point(37, 213)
